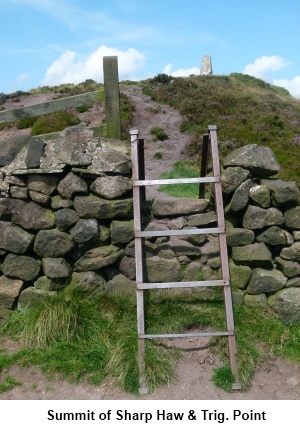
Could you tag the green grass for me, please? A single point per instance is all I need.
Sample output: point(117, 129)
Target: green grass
point(84, 340)
point(9, 384)
point(57, 121)
point(159, 134)
point(181, 169)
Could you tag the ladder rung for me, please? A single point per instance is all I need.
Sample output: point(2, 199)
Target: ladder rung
point(155, 233)
point(193, 284)
point(187, 335)
point(144, 182)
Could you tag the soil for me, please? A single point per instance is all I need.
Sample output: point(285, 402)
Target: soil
point(273, 379)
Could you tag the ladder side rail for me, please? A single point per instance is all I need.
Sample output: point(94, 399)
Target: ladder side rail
point(204, 164)
point(139, 260)
point(224, 253)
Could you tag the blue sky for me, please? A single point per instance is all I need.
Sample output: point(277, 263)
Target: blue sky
point(49, 42)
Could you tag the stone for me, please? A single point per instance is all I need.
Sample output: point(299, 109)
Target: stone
point(210, 248)
point(21, 266)
point(104, 234)
point(121, 232)
point(208, 219)
point(232, 178)
point(238, 297)
point(57, 202)
point(34, 153)
point(206, 65)
point(52, 243)
point(65, 218)
point(14, 238)
point(48, 284)
point(194, 239)
point(254, 255)
point(275, 236)
point(43, 183)
point(175, 207)
point(260, 195)
point(177, 223)
point(286, 304)
point(127, 267)
point(214, 263)
point(156, 225)
point(294, 282)
point(163, 270)
point(95, 207)
point(256, 218)
point(193, 271)
point(239, 237)
point(164, 250)
point(292, 218)
point(259, 160)
point(266, 281)
point(9, 206)
point(31, 296)
point(71, 146)
point(292, 252)
point(97, 258)
point(182, 247)
point(121, 285)
point(283, 193)
point(296, 235)
point(289, 268)
point(110, 161)
point(239, 276)
point(72, 184)
point(18, 192)
point(56, 268)
point(257, 300)
point(14, 180)
point(111, 187)
point(112, 96)
point(11, 147)
point(34, 217)
point(85, 232)
point(240, 197)
point(40, 198)
point(9, 290)
point(90, 283)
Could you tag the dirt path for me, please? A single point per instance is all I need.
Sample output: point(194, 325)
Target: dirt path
point(273, 378)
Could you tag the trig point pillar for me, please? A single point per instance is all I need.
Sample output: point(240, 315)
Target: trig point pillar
point(206, 65)
point(112, 96)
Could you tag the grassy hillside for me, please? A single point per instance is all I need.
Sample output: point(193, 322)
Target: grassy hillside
point(245, 110)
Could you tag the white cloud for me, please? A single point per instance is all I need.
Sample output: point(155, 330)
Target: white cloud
point(68, 68)
point(181, 72)
point(292, 85)
point(263, 65)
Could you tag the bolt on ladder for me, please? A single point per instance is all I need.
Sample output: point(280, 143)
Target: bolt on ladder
point(139, 184)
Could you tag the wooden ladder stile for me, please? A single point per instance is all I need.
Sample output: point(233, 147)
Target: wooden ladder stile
point(139, 183)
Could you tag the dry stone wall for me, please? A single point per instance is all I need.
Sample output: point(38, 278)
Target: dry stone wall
point(66, 221)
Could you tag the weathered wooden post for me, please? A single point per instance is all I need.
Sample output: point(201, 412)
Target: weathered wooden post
point(112, 96)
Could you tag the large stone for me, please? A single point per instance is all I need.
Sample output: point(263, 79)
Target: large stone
point(43, 183)
point(56, 267)
point(292, 217)
point(283, 193)
point(121, 285)
point(111, 187)
point(256, 301)
point(11, 147)
point(9, 290)
point(21, 266)
point(110, 161)
point(260, 195)
point(34, 153)
point(260, 160)
point(34, 217)
point(65, 218)
point(72, 184)
point(266, 281)
point(286, 304)
point(275, 236)
point(14, 238)
point(90, 283)
point(232, 178)
point(57, 202)
point(31, 296)
point(292, 252)
point(239, 276)
point(95, 207)
point(181, 206)
point(289, 268)
point(239, 237)
point(71, 146)
point(85, 232)
point(163, 270)
point(240, 197)
point(52, 243)
point(9, 207)
point(97, 258)
point(48, 284)
point(208, 219)
point(121, 231)
point(127, 267)
point(182, 247)
point(254, 255)
point(19, 192)
point(258, 218)
point(40, 198)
